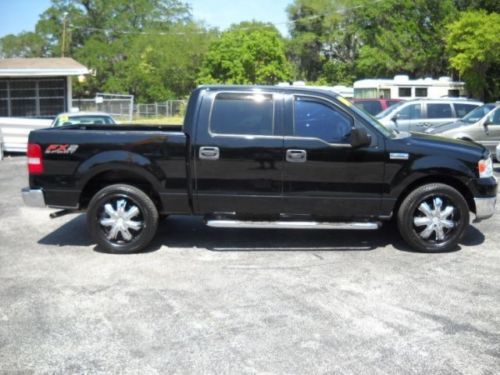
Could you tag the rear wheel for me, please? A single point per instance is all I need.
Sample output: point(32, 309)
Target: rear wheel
point(122, 219)
point(433, 218)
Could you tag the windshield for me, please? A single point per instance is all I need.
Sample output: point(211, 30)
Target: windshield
point(391, 109)
point(84, 120)
point(478, 114)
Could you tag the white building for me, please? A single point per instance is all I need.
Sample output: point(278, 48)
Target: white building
point(37, 87)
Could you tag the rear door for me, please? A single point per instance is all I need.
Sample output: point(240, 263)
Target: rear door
point(238, 153)
point(436, 114)
point(324, 176)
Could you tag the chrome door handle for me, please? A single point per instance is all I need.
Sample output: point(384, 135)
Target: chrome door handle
point(209, 153)
point(296, 156)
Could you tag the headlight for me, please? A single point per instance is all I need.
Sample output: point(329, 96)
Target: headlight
point(485, 168)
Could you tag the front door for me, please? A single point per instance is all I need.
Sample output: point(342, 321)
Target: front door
point(239, 157)
point(323, 175)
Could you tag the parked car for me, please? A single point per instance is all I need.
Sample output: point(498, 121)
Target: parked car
point(482, 125)
point(83, 118)
point(262, 157)
point(418, 115)
point(374, 106)
point(498, 152)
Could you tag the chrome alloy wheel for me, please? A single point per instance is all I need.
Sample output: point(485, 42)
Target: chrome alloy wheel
point(438, 217)
point(121, 220)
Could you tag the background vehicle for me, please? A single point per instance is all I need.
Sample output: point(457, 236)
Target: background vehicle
point(374, 106)
point(418, 115)
point(498, 152)
point(481, 125)
point(262, 157)
point(402, 87)
point(83, 118)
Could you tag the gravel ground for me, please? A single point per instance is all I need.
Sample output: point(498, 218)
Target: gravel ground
point(221, 301)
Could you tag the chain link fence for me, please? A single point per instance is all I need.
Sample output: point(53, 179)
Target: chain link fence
point(124, 109)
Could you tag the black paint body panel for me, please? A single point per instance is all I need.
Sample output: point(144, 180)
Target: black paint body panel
point(252, 176)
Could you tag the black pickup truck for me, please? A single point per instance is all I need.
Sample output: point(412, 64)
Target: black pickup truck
point(262, 157)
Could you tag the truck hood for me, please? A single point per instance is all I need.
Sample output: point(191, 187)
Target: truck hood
point(428, 145)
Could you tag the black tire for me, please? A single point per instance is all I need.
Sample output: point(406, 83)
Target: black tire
point(109, 222)
point(422, 223)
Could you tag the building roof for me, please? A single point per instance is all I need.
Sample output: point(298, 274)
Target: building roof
point(41, 67)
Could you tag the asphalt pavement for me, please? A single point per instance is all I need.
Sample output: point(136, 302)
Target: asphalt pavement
point(231, 301)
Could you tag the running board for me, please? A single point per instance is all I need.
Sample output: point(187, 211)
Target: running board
point(292, 225)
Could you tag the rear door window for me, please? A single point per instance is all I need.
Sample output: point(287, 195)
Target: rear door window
point(439, 110)
point(242, 113)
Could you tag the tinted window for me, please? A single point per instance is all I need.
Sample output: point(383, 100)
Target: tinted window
point(439, 110)
point(372, 107)
point(83, 120)
point(318, 119)
point(462, 109)
point(235, 113)
point(421, 92)
point(405, 92)
point(410, 112)
point(495, 118)
point(478, 113)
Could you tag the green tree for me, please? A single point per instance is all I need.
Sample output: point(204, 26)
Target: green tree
point(162, 66)
point(474, 46)
point(248, 53)
point(403, 36)
point(25, 44)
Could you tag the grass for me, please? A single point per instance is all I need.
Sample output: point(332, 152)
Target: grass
point(171, 120)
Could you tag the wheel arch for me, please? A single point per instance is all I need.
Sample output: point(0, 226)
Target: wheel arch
point(447, 180)
point(113, 176)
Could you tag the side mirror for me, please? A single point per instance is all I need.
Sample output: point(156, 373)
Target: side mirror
point(487, 121)
point(360, 137)
point(395, 118)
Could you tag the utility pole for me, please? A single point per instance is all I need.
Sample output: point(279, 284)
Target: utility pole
point(63, 44)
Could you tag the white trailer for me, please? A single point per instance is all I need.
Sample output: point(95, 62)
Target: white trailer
point(402, 87)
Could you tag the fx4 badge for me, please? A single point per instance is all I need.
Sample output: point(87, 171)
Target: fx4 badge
point(61, 149)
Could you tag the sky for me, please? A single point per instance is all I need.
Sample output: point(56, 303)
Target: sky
point(22, 15)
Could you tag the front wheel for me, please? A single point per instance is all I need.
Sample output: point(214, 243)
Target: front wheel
point(122, 219)
point(433, 218)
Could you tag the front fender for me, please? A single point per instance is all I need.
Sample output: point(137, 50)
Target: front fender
point(440, 167)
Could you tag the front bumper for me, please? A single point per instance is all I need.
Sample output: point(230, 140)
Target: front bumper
point(33, 197)
point(485, 207)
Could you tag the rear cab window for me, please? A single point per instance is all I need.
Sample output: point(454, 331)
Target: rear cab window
point(242, 114)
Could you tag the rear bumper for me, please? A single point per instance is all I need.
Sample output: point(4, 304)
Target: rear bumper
point(33, 197)
point(485, 207)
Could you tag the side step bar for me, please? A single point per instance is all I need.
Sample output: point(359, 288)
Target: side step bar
point(292, 224)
